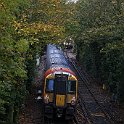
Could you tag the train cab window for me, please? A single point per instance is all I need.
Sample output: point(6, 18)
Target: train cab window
point(49, 85)
point(60, 87)
point(60, 84)
point(71, 87)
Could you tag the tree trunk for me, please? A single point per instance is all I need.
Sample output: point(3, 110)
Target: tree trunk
point(10, 114)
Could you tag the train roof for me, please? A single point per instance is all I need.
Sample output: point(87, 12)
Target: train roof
point(55, 57)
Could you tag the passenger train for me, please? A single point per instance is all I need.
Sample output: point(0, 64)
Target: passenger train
point(60, 85)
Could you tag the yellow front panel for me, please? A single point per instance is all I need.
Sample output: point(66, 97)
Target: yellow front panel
point(50, 97)
point(60, 100)
point(69, 97)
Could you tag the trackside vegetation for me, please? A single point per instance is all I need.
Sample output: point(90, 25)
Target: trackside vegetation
point(26, 26)
point(100, 42)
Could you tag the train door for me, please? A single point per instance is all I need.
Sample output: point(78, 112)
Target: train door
point(60, 90)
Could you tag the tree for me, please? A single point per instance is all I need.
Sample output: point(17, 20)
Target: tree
point(12, 58)
point(100, 38)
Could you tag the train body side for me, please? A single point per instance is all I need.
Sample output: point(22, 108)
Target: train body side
point(59, 86)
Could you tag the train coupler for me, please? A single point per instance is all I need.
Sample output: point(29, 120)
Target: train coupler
point(59, 113)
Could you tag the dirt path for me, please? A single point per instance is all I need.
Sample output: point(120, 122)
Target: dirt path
point(32, 112)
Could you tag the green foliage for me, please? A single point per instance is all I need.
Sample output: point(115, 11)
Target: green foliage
point(26, 27)
point(101, 39)
point(12, 59)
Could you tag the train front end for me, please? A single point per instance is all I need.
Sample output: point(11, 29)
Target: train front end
point(60, 95)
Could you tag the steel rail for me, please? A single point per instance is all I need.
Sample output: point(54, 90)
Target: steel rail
point(107, 115)
point(110, 119)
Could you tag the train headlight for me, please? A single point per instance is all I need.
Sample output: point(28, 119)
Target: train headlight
point(73, 101)
point(46, 99)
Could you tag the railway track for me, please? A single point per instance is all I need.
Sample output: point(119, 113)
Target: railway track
point(89, 109)
point(57, 121)
point(95, 112)
point(92, 103)
point(79, 117)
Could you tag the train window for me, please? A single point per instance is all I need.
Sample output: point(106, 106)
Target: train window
point(71, 87)
point(60, 84)
point(49, 85)
point(60, 87)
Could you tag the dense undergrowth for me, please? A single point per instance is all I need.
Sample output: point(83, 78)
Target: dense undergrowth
point(100, 41)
